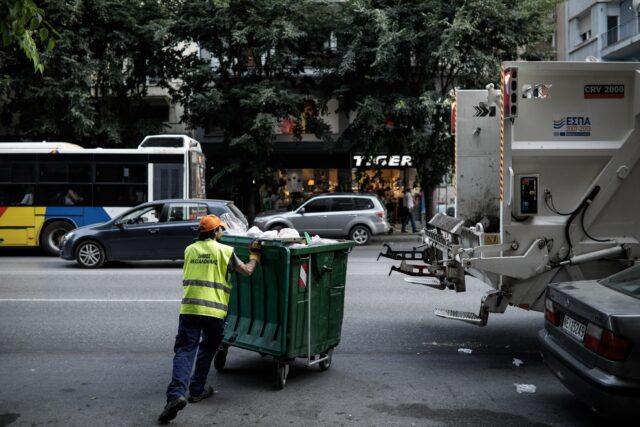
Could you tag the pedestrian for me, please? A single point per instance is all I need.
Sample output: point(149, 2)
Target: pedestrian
point(206, 291)
point(408, 211)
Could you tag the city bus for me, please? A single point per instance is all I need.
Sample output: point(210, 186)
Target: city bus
point(50, 188)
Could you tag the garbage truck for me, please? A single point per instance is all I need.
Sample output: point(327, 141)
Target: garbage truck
point(555, 152)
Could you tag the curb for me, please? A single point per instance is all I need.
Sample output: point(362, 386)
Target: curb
point(410, 238)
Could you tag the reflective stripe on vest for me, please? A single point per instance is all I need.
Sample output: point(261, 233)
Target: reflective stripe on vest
point(206, 286)
point(205, 303)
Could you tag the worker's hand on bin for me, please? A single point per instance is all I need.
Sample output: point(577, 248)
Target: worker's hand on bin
point(255, 251)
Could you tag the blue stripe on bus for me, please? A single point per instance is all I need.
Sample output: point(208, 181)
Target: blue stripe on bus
point(79, 216)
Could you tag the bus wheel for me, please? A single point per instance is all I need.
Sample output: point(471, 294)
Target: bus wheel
point(90, 254)
point(52, 236)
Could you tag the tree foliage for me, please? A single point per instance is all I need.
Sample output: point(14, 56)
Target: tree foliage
point(254, 68)
point(95, 79)
point(22, 22)
point(400, 60)
point(243, 65)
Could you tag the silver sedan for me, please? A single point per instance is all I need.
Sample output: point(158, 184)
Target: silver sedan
point(591, 340)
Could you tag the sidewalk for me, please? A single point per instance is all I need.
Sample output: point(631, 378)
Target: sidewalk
point(398, 236)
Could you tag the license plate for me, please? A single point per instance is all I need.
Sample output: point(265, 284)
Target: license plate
point(574, 328)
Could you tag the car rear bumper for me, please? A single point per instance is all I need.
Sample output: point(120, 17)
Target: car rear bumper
point(380, 228)
point(600, 390)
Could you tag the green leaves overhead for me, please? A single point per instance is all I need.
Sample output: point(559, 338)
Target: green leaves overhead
point(239, 67)
point(95, 74)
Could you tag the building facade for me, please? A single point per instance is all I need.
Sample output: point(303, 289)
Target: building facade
point(598, 30)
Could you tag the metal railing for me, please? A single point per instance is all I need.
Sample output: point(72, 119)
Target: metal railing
point(620, 33)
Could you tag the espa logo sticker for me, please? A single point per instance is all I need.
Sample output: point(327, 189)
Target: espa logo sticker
point(572, 125)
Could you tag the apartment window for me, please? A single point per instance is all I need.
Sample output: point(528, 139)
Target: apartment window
point(584, 29)
point(612, 30)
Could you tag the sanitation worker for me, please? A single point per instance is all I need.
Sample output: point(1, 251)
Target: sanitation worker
point(206, 290)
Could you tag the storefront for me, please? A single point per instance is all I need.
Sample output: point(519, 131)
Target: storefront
point(387, 175)
point(310, 170)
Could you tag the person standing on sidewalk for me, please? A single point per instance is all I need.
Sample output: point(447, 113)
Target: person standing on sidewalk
point(408, 211)
point(206, 291)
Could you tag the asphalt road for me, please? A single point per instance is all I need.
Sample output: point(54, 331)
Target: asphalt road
point(80, 348)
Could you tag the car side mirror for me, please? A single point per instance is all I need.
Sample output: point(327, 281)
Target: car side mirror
point(301, 211)
point(119, 224)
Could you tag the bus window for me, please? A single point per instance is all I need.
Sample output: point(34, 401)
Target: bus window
point(16, 195)
point(119, 195)
point(119, 173)
point(167, 181)
point(64, 195)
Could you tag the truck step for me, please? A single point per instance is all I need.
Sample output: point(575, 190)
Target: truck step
point(447, 223)
point(432, 282)
point(464, 316)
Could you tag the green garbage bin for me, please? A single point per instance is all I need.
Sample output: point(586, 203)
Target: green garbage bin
point(291, 307)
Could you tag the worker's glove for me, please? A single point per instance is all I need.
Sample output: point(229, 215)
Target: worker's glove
point(255, 251)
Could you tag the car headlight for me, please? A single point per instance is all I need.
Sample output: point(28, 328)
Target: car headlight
point(67, 236)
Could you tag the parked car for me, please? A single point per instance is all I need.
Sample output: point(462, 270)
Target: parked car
point(155, 230)
point(357, 216)
point(591, 340)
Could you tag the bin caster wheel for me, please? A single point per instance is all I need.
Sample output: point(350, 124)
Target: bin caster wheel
point(220, 359)
point(281, 375)
point(326, 364)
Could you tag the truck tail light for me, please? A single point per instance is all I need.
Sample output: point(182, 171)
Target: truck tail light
point(550, 312)
point(380, 214)
point(605, 343)
point(510, 92)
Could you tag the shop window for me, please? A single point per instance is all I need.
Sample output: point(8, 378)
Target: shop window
point(341, 204)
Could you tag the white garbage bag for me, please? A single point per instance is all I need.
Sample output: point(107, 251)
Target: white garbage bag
point(269, 235)
point(288, 233)
point(234, 227)
point(254, 232)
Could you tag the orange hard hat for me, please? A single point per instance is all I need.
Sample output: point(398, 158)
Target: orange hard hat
point(209, 223)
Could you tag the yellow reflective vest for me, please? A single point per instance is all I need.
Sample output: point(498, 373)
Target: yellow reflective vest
point(205, 279)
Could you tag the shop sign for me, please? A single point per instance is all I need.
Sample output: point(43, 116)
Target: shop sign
point(387, 161)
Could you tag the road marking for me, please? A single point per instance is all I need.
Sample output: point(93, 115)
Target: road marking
point(83, 300)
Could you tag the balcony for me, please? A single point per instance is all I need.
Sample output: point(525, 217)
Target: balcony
point(622, 42)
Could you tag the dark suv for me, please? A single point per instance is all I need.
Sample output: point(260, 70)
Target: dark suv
point(353, 215)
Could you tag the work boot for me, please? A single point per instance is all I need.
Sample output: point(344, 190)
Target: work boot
point(207, 392)
point(171, 409)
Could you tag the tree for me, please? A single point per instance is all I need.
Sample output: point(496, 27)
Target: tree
point(254, 69)
point(96, 78)
point(400, 60)
point(22, 22)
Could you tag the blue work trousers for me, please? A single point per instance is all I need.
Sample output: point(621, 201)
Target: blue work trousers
point(198, 339)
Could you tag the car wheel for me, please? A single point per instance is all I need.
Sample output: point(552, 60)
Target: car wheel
point(90, 254)
point(360, 234)
point(52, 236)
point(277, 227)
